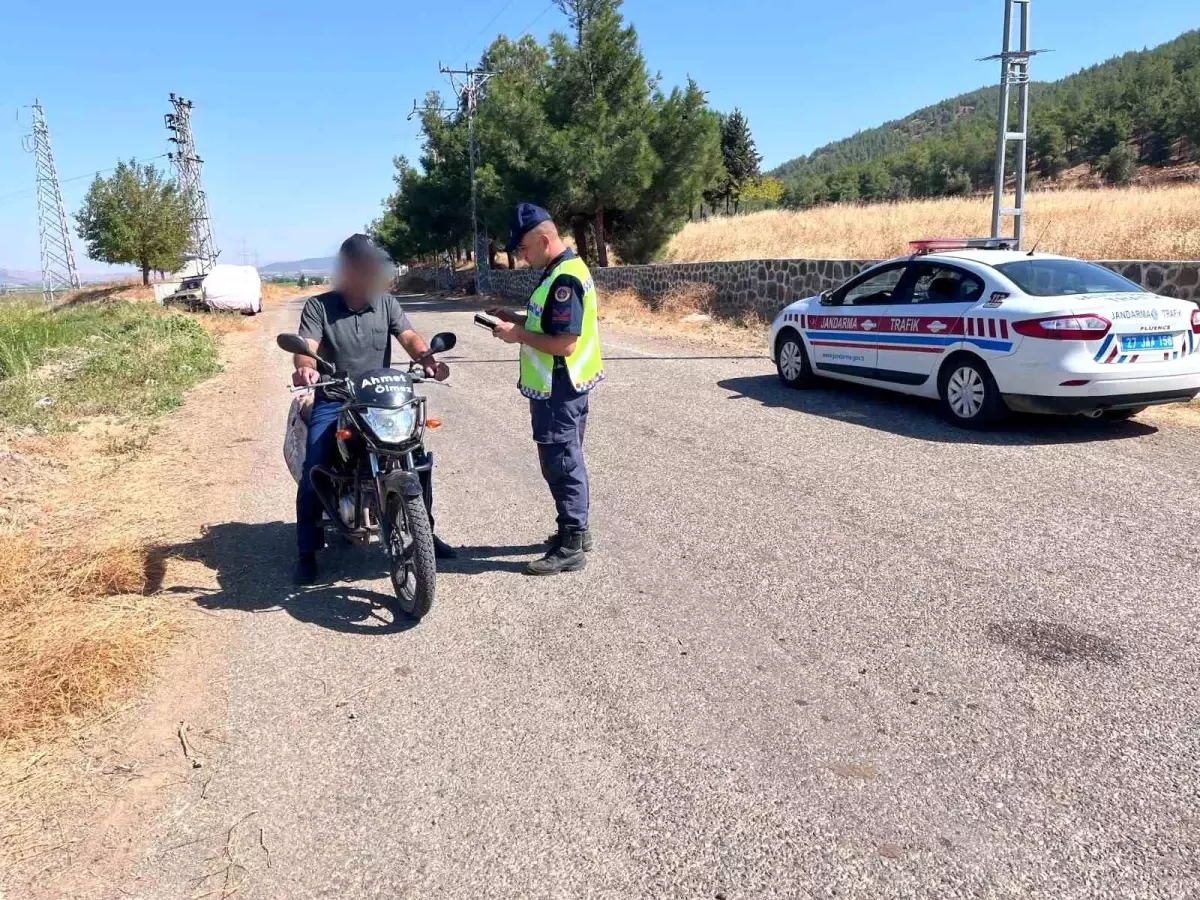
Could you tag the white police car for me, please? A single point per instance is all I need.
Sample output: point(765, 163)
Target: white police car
point(987, 329)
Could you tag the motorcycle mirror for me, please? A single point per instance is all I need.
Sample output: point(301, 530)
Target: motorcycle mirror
point(442, 341)
point(293, 343)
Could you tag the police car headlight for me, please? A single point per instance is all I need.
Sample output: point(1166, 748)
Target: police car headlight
point(392, 426)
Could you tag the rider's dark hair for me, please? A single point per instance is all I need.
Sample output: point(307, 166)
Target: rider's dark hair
point(360, 248)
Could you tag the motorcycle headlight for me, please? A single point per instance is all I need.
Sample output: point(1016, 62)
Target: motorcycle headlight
point(392, 426)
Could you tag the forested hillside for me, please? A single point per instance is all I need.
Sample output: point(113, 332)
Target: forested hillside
point(1142, 107)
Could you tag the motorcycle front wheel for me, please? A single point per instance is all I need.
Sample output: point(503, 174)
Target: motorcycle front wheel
point(414, 571)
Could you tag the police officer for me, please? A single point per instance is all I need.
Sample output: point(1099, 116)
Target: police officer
point(560, 364)
point(352, 327)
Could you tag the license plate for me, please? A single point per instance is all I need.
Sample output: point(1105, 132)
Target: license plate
point(1136, 342)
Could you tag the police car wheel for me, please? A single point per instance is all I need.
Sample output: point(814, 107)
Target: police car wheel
point(791, 361)
point(969, 394)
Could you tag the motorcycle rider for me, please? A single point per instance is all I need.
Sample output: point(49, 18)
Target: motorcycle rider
point(352, 327)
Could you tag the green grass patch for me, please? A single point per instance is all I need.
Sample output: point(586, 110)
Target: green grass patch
point(59, 367)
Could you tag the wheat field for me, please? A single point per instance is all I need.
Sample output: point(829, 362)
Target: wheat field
point(1161, 223)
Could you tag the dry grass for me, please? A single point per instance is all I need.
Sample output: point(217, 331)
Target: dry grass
point(689, 311)
point(109, 293)
point(75, 629)
point(222, 323)
point(273, 293)
point(1132, 223)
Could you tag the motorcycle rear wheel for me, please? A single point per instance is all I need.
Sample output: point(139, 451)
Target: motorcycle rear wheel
point(411, 561)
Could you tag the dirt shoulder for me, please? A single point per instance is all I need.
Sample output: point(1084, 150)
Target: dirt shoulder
point(73, 800)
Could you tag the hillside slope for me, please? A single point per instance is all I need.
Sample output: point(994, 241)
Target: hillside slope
point(322, 264)
point(1142, 107)
point(892, 137)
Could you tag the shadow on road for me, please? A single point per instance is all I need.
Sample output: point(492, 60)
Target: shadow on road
point(477, 560)
point(253, 565)
point(915, 417)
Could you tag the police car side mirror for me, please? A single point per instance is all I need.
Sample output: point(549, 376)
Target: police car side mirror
point(827, 299)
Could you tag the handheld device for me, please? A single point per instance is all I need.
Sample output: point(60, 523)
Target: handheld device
point(486, 321)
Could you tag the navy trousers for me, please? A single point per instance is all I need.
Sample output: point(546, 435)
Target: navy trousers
point(321, 450)
point(558, 429)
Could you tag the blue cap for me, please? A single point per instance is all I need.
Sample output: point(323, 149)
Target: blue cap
point(524, 219)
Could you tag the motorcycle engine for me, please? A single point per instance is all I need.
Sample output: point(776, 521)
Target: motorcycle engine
point(346, 509)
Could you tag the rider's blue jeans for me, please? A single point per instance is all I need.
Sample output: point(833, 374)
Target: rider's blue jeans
point(319, 451)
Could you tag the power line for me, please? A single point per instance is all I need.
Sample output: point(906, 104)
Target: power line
point(29, 192)
point(490, 21)
point(539, 17)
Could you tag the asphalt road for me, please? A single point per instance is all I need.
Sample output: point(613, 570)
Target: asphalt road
point(826, 647)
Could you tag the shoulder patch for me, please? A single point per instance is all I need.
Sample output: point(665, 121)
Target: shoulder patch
point(562, 294)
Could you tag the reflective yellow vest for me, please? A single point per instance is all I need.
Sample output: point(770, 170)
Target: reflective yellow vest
point(584, 365)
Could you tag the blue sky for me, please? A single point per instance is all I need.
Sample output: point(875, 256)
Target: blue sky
point(300, 106)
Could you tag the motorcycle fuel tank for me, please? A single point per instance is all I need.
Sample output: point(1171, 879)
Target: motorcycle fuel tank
point(384, 388)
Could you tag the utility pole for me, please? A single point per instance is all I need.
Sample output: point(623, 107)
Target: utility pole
point(54, 238)
point(1014, 71)
point(187, 166)
point(468, 84)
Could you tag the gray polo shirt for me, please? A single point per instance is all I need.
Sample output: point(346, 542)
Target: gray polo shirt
point(355, 341)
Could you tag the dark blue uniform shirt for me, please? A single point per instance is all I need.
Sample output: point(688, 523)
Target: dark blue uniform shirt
point(563, 312)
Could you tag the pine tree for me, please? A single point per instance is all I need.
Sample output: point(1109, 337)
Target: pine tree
point(599, 100)
point(741, 157)
point(685, 137)
point(580, 13)
point(1049, 148)
point(1119, 165)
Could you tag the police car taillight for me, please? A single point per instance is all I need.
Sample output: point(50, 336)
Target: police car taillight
point(1196, 321)
point(1065, 328)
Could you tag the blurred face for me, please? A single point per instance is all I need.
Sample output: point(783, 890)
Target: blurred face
point(361, 279)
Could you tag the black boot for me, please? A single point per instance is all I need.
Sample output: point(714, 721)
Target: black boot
point(567, 555)
point(306, 569)
point(553, 540)
point(442, 550)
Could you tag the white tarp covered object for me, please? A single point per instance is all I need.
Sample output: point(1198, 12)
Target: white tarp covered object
point(233, 288)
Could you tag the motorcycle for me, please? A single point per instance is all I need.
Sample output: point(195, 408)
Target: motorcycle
point(374, 491)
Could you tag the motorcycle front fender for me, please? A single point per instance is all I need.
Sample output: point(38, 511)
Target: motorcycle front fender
point(403, 484)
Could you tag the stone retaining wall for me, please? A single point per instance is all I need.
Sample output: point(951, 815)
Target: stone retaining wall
point(767, 285)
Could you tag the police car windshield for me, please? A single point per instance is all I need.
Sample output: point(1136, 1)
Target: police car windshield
point(1062, 277)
